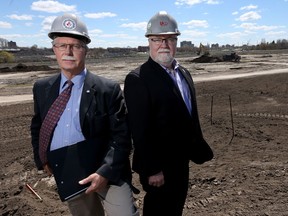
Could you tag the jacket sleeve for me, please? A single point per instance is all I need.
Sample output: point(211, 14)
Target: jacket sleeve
point(35, 128)
point(140, 114)
point(116, 160)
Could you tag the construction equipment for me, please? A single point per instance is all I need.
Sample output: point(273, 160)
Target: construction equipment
point(202, 50)
point(232, 57)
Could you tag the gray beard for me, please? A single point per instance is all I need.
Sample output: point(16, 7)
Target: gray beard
point(164, 59)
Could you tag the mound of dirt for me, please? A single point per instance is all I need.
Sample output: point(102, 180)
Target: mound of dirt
point(207, 59)
point(25, 68)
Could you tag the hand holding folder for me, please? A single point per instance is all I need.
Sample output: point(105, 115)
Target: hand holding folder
point(68, 168)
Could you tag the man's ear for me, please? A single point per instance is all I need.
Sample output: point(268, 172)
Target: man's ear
point(86, 50)
point(53, 48)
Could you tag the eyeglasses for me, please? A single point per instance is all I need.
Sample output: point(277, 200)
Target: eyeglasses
point(74, 47)
point(159, 41)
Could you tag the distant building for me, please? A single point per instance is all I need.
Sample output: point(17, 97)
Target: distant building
point(228, 46)
point(12, 45)
point(186, 44)
point(143, 48)
point(215, 46)
point(5, 45)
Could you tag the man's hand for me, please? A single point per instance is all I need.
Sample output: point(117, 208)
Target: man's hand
point(48, 170)
point(156, 180)
point(98, 183)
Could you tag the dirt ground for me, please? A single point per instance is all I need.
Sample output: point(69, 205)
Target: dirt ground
point(244, 117)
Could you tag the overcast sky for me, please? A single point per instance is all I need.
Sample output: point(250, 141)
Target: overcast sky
point(122, 23)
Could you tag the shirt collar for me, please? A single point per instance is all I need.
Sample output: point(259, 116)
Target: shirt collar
point(175, 66)
point(78, 80)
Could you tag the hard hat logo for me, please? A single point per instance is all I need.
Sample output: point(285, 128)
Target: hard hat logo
point(163, 23)
point(69, 24)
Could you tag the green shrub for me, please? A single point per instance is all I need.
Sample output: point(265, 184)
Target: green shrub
point(6, 57)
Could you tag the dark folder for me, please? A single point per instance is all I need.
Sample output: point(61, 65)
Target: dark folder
point(69, 167)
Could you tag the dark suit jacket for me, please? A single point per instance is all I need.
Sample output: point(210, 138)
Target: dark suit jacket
point(163, 131)
point(102, 119)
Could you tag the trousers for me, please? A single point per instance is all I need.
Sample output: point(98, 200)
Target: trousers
point(169, 199)
point(113, 201)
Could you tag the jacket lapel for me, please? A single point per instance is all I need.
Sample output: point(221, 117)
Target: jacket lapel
point(163, 75)
point(188, 80)
point(88, 93)
point(51, 92)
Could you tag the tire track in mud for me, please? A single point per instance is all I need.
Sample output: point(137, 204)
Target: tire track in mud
point(263, 115)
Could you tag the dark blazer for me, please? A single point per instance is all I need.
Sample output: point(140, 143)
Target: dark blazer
point(163, 130)
point(102, 119)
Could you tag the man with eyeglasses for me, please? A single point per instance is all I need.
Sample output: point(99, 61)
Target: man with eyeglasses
point(87, 146)
point(163, 117)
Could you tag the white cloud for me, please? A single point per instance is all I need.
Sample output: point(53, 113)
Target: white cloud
point(5, 25)
point(95, 31)
point(135, 26)
point(20, 17)
point(196, 23)
point(100, 15)
point(194, 34)
point(235, 13)
point(255, 27)
point(252, 15)
point(212, 2)
point(277, 34)
point(46, 23)
point(188, 2)
point(233, 35)
point(51, 6)
point(21, 36)
point(194, 2)
point(116, 36)
point(249, 7)
point(28, 24)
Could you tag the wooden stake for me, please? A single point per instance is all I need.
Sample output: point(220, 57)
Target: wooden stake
point(231, 114)
point(211, 112)
point(33, 191)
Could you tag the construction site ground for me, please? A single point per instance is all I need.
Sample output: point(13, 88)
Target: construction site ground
point(243, 111)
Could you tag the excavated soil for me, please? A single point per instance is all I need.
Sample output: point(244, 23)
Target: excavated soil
point(244, 115)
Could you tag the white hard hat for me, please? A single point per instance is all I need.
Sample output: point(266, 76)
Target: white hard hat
point(69, 25)
point(162, 23)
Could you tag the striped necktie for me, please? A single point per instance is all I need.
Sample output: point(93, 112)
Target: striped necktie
point(182, 85)
point(51, 119)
